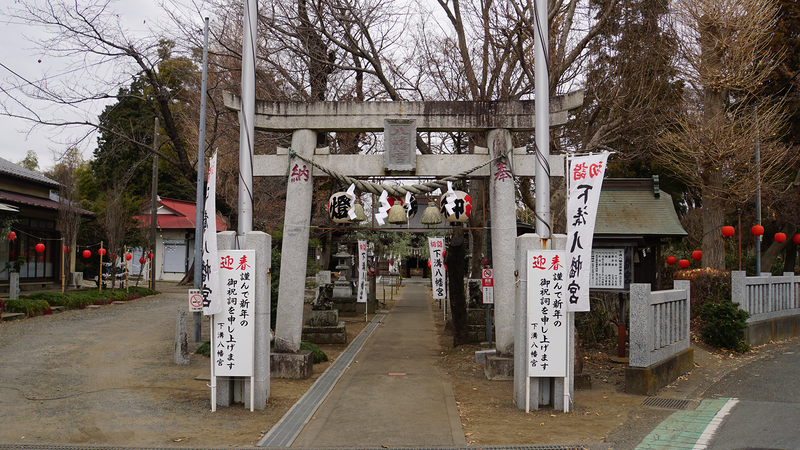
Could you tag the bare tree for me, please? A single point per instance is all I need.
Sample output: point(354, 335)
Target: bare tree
point(116, 224)
point(69, 216)
point(724, 50)
point(101, 57)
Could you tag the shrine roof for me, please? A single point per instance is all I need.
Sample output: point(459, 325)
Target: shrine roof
point(636, 207)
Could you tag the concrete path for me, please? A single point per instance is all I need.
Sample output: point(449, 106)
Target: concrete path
point(392, 395)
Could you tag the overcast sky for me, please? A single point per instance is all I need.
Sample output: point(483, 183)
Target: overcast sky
point(17, 54)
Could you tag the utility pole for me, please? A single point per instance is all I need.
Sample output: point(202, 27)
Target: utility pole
point(201, 158)
point(154, 208)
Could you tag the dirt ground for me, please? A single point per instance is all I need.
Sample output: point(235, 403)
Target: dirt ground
point(106, 377)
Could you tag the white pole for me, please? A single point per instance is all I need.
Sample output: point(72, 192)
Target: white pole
point(542, 109)
point(252, 392)
point(213, 372)
point(527, 394)
point(247, 118)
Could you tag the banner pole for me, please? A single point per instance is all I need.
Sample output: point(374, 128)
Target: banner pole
point(213, 372)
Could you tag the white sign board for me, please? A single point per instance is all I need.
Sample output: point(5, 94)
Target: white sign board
point(234, 326)
point(487, 285)
point(607, 268)
point(362, 272)
point(195, 300)
point(437, 268)
point(547, 322)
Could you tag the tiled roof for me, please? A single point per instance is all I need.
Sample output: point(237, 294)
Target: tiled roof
point(177, 214)
point(9, 168)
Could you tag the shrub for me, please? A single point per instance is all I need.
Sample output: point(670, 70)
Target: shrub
point(28, 307)
point(52, 298)
point(318, 354)
point(724, 325)
point(708, 285)
point(204, 349)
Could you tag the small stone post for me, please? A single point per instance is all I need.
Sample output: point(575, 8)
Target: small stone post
point(181, 339)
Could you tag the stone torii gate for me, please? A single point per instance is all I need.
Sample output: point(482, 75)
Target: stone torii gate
point(304, 120)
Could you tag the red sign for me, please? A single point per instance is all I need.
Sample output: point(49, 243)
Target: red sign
point(488, 280)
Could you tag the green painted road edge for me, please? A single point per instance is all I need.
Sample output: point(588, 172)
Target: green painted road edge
point(691, 430)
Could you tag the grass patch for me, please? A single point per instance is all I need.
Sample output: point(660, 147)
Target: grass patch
point(81, 299)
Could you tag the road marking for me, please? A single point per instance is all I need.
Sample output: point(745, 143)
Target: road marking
point(689, 430)
point(712, 427)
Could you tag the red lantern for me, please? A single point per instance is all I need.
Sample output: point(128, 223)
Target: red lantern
point(113, 256)
point(142, 260)
point(11, 236)
point(728, 231)
point(780, 237)
point(796, 238)
point(87, 253)
point(757, 230)
point(66, 250)
point(697, 255)
point(684, 263)
point(671, 260)
point(11, 254)
point(39, 247)
point(149, 256)
point(101, 252)
point(128, 257)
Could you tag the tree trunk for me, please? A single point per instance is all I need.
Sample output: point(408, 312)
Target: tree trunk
point(776, 248)
point(713, 218)
point(454, 258)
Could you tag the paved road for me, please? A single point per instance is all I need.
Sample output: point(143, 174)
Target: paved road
point(756, 406)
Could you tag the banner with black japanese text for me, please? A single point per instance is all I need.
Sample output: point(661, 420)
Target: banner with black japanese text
point(438, 271)
point(212, 298)
point(585, 182)
point(362, 272)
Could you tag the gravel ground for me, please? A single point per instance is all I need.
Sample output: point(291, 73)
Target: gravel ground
point(107, 377)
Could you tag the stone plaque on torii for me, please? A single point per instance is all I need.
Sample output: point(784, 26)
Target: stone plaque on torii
point(304, 120)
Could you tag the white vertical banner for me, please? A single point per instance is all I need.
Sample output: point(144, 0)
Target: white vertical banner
point(585, 182)
point(212, 297)
point(234, 326)
point(437, 267)
point(547, 324)
point(362, 272)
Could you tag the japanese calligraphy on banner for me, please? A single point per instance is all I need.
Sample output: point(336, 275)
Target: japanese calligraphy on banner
point(585, 182)
point(234, 326)
point(547, 324)
point(362, 272)
point(437, 267)
point(212, 299)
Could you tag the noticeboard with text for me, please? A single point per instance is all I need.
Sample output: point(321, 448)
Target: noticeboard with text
point(607, 269)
